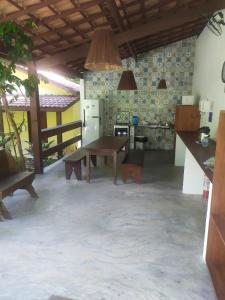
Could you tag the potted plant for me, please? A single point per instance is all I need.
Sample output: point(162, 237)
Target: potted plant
point(17, 47)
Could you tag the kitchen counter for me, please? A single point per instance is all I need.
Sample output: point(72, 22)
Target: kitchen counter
point(201, 154)
point(154, 126)
point(192, 156)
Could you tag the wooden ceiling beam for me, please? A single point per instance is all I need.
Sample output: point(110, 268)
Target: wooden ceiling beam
point(71, 11)
point(30, 31)
point(126, 17)
point(168, 32)
point(76, 23)
point(87, 19)
point(77, 5)
point(179, 18)
point(29, 9)
point(143, 10)
point(35, 19)
point(119, 22)
point(165, 43)
point(68, 23)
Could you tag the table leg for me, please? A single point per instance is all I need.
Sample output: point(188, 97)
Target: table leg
point(88, 162)
point(114, 167)
point(126, 148)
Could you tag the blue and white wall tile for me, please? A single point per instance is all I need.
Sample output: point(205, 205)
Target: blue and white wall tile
point(150, 104)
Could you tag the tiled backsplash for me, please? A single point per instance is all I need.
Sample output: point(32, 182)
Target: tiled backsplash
point(148, 103)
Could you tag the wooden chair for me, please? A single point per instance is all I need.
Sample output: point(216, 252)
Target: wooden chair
point(11, 180)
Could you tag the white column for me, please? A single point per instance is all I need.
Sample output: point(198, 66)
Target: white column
point(193, 175)
point(179, 152)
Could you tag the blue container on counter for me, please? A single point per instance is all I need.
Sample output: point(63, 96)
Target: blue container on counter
point(135, 120)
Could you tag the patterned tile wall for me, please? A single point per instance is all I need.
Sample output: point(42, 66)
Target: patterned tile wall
point(148, 103)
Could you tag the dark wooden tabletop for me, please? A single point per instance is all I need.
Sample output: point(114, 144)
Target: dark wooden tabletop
point(108, 143)
point(201, 154)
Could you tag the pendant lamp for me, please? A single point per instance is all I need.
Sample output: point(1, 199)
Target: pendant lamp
point(127, 81)
point(103, 54)
point(162, 83)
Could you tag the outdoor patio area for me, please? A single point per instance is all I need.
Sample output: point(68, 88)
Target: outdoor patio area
point(101, 241)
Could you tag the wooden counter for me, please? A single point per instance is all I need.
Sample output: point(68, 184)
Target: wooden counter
point(201, 154)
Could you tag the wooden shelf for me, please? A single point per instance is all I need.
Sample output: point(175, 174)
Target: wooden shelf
point(219, 221)
point(215, 255)
point(218, 275)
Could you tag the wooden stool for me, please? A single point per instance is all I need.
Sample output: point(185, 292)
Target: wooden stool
point(132, 165)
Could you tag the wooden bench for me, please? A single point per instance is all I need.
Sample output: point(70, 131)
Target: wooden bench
point(132, 165)
point(12, 180)
point(73, 163)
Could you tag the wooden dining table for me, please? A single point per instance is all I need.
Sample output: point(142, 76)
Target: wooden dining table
point(106, 146)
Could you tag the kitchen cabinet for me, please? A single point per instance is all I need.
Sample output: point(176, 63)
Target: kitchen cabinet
point(187, 118)
point(215, 255)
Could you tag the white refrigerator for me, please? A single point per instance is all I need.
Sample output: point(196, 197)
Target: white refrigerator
point(92, 120)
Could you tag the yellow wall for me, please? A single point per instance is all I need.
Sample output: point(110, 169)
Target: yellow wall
point(45, 88)
point(19, 117)
point(70, 115)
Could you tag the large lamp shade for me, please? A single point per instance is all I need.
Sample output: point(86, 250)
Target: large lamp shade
point(127, 81)
point(103, 54)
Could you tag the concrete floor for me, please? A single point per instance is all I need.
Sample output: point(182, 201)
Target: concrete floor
point(106, 242)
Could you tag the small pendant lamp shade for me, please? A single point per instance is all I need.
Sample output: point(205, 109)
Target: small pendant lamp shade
point(103, 53)
point(162, 85)
point(127, 81)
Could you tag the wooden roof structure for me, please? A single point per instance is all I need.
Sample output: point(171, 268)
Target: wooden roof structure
point(65, 27)
point(48, 103)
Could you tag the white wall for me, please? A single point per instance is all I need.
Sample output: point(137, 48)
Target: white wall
point(209, 58)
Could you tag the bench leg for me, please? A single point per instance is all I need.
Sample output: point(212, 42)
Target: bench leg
point(31, 191)
point(4, 211)
point(68, 170)
point(77, 170)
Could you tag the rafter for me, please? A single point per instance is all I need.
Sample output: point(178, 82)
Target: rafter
point(26, 10)
point(77, 4)
point(142, 6)
point(116, 16)
point(76, 23)
point(20, 7)
point(67, 22)
point(166, 22)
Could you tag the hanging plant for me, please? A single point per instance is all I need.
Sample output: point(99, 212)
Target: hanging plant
point(17, 49)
